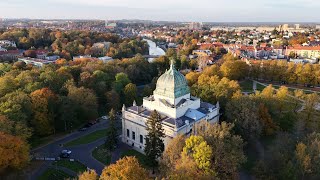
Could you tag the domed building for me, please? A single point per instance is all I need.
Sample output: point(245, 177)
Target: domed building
point(181, 113)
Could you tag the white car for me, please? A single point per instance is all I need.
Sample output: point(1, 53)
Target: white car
point(65, 153)
point(104, 117)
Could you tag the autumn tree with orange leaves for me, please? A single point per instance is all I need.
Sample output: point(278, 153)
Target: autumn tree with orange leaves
point(43, 116)
point(125, 168)
point(14, 152)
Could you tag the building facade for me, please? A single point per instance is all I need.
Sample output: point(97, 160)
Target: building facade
point(180, 112)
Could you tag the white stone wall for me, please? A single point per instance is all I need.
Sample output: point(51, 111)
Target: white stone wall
point(133, 123)
point(171, 112)
point(136, 123)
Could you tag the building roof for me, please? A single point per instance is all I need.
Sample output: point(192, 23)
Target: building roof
point(194, 114)
point(172, 84)
point(179, 122)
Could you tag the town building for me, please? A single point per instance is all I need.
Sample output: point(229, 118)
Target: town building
point(202, 52)
point(304, 51)
point(35, 61)
point(105, 59)
point(110, 25)
point(81, 57)
point(195, 26)
point(10, 55)
point(7, 43)
point(180, 112)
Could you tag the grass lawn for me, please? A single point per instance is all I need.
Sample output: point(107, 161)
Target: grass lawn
point(260, 87)
point(102, 154)
point(141, 157)
point(246, 85)
point(53, 174)
point(87, 138)
point(72, 165)
point(38, 141)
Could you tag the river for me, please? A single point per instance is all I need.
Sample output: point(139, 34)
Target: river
point(154, 49)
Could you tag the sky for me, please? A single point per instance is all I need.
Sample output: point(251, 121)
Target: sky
point(168, 10)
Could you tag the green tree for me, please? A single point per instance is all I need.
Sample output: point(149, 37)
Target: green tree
point(147, 91)
point(121, 81)
point(113, 100)
point(86, 102)
point(130, 93)
point(154, 140)
point(111, 140)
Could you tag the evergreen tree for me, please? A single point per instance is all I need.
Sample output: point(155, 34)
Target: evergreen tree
point(111, 140)
point(154, 142)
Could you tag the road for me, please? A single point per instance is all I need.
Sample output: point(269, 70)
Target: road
point(82, 153)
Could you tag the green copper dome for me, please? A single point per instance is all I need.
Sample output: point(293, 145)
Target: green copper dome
point(172, 84)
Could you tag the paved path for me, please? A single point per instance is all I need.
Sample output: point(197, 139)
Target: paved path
point(82, 153)
point(116, 154)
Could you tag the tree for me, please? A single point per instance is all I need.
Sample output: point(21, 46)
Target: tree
point(308, 116)
point(14, 128)
point(111, 140)
point(186, 169)
point(154, 140)
point(113, 100)
point(244, 113)
point(307, 154)
point(16, 106)
point(172, 154)
point(192, 78)
point(147, 91)
point(7, 85)
point(197, 148)
point(66, 116)
point(14, 152)
point(86, 102)
point(130, 93)
point(234, 70)
point(88, 175)
point(269, 127)
point(43, 115)
point(278, 161)
point(227, 149)
point(121, 81)
point(125, 168)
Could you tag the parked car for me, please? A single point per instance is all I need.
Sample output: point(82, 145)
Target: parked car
point(91, 123)
point(65, 153)
point(104, 117)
